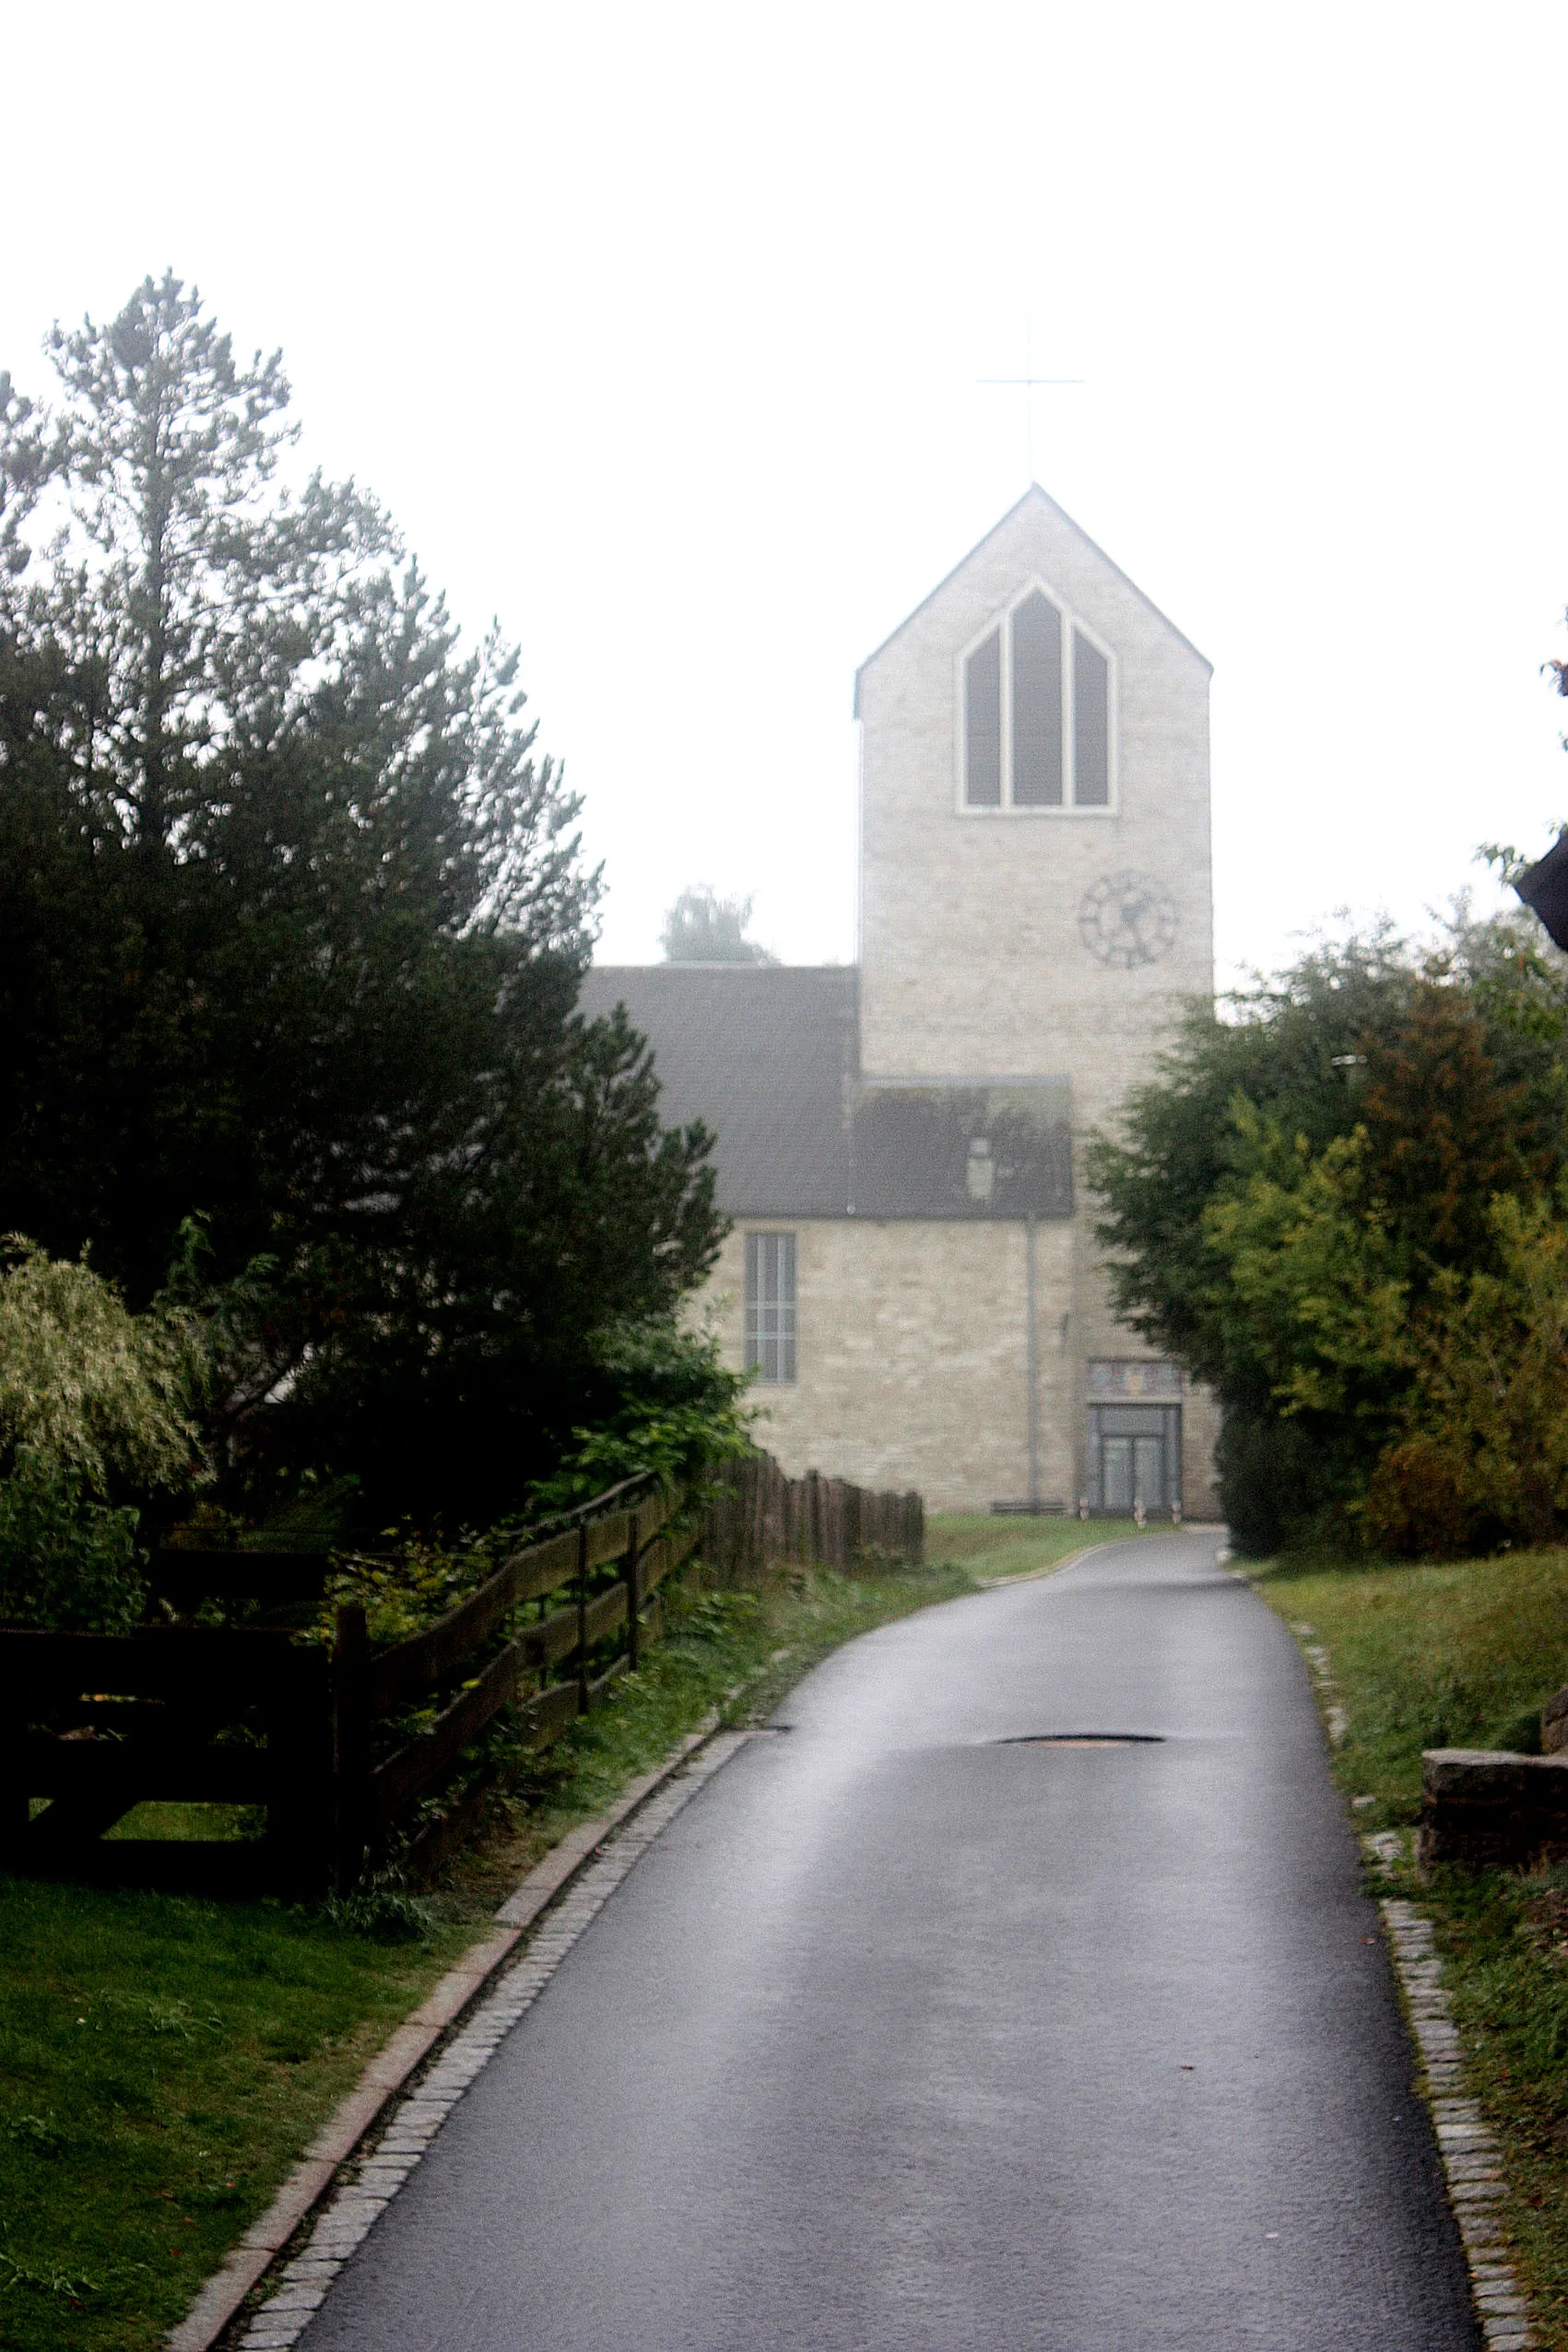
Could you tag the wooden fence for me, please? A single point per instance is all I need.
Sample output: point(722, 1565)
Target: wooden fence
point(758, 1515)
point(342, 1746)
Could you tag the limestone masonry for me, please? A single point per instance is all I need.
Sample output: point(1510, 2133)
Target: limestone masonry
point(912, 1269)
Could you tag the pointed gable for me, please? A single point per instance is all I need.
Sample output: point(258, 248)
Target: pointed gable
point(1036, 524)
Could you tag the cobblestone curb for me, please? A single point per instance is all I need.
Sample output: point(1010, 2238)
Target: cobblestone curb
point(1335, 1721)
point(1470, 2159)
point(655, 1799)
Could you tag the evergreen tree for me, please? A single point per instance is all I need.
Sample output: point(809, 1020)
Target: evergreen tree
point(702, 927)
point(292, 915)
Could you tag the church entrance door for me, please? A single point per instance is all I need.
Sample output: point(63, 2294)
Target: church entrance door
point(1135, 1456)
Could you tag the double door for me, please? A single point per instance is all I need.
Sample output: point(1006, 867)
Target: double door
point(1135, 1456)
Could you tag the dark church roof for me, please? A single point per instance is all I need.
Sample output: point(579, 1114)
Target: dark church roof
point(768, 1057)
point(761, 1054)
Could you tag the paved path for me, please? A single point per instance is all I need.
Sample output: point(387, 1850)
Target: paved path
point(908, 2037)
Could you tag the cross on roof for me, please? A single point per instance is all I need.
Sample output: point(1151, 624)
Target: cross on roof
point(1028, 383)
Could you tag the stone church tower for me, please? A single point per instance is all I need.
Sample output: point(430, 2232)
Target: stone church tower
point(1035, 891)
point(1034, 865)
point(912, 1273)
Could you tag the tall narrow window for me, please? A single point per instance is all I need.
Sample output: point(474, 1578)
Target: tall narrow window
point(769, 1307)
point(983, 723)
point(1037, 724)
point(1091, 725)
point(1037, 703)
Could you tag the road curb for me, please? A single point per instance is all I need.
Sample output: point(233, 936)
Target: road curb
point(407, 2048)
point(1472, 2163)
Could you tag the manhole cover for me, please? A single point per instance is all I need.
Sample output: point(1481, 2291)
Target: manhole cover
point(1082, 1740)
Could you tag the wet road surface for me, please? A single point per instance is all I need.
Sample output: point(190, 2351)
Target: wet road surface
point(911, 2034)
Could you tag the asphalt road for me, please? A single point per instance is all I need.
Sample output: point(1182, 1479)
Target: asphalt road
point(910, 2036)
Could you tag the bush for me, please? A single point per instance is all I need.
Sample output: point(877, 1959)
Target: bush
point(1481, 1452)
point(673, 1409)
point(1416, 1504)
point(67, 1564)
point(1275, 1482)
point(94, 1406)
point(87, 1386)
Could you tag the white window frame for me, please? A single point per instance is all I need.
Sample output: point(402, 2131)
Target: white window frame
point(1068, 807)
point(787, 1335)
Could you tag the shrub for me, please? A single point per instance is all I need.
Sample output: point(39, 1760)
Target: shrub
point(86, 1385)
point(67, 1562)
point(94, 1408)
point(1481, 1453)
point(1274, 1481)
point(676, 1410)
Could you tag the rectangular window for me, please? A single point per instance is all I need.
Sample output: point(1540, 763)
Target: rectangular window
point(1091, 725)
point(983, 723)
point(769, 1307)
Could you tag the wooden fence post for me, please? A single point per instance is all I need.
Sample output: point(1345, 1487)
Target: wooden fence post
point(633, 1597)
point(582, 1617)
point(348, 1796)
point(302, 1806)
point(15, 1797)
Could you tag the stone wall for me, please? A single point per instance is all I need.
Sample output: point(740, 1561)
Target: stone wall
point(912, 1361)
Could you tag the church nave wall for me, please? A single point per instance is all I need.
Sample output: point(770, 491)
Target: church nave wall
point(912, 1355)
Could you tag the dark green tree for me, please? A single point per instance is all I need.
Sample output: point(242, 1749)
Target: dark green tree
point(702, 927)
point(1444, 1065)
point(292, 915)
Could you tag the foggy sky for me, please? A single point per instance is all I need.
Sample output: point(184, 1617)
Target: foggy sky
point(659, 332)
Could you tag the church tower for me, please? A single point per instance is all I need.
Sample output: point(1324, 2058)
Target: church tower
point(911, 1277)
point(1034, 851)
point(1036, 906)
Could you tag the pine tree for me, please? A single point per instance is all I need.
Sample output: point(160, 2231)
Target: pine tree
point(292, 915)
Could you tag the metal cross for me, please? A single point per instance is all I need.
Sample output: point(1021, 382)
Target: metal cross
point(1026, 383)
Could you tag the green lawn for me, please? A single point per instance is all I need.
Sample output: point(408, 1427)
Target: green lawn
point(1462, 1656)
point(997, 1546)
point(162, 2059)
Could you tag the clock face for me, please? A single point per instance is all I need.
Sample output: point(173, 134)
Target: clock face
point(1126, 919)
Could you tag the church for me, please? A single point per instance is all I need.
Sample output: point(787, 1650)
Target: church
point(912, 1274)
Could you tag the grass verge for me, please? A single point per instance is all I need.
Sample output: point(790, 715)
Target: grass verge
point(163, 2060)
point(996, 1548)
point(1462, 1655)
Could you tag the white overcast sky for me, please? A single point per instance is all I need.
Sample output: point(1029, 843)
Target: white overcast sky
point(659, 330)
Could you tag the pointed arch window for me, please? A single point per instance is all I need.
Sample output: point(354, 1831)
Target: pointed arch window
point(1037, 706)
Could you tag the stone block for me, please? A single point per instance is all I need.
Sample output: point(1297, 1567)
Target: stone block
point(1554, 1724)
point(1491, 1809)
